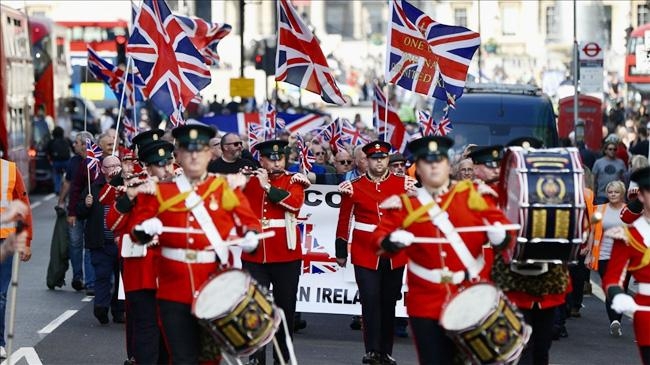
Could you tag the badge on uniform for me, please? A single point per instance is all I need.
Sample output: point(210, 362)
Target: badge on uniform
point(213, 203)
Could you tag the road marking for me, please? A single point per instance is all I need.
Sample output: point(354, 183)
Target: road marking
point(57, 322)
point(37, 204)
point(28, 353)
point(49, 197)
point(87, 298)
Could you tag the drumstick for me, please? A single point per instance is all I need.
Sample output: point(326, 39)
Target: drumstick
point(259, 236)
point(508, 227)
point(175, 230)
point(644, 308)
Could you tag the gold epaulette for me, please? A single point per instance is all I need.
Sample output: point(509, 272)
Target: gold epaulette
point(639, 246)
point(418, 215)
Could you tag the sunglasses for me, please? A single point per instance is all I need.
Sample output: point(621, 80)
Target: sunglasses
point(345, 162)
point(236, 144)
point(319, 153)
point(397, 164)
point(611, 149)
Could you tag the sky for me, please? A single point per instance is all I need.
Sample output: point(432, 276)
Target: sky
point(66, 10)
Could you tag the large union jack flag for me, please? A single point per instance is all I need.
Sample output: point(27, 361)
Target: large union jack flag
point(204, 36)
point(428, 57)
point(172, 68)
point(299, 59)
point(93, 153)
point(116, 78)
point(387, 122)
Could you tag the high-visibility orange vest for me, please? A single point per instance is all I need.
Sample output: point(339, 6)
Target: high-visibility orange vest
point(7, 185)
point(598, 236)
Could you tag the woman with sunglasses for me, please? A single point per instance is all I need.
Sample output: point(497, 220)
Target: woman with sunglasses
point(607, 169)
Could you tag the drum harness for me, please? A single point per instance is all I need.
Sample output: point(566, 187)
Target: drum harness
point(441, 220)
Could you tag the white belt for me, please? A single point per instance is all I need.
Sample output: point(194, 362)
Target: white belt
point(441, 276)
point(189, 256)
point(273, 223)
point(360, 226)
point(644, 289)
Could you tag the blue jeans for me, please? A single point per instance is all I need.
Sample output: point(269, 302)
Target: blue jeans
point(78, 255)
point(5, 279)
point(58, 169)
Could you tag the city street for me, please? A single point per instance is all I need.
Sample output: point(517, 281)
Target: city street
point(57, 326)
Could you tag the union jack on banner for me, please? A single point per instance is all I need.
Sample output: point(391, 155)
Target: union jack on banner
point(352, 135)
point(305, 157)
point(443, 127)
point(428, 126)
point(387, 122)
point(428, 57)
point(172, 68)
point(114, 77)
point(316, 260)
point(93, 153)
point(204, 36)
point(130, 130)
point(299, 59)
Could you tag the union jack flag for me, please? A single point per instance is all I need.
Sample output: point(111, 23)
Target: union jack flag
point(316, 260)
point(305, 157)
point(204, 36)
point(388, 122)
point(444, 126)
point(93, 153)
point(299, 59)
point(256, 134)
point(352, 135)
point(172, 68)
point(428, 126)
point(332, 134)
point(130, 130)
point(428, 57)
point(116, 78)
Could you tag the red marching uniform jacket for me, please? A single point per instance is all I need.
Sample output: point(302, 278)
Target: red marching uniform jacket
point(363, 205)
point(631, 252)
point(465, 207)
point(276, 211)
point(177, 280)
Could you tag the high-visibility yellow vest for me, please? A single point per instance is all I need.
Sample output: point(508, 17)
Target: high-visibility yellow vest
point(7, 185)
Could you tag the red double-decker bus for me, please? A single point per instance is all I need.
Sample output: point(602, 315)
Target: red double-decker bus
point(16, 100)
point(51, 54)
point(108, 38)
point(636, 78)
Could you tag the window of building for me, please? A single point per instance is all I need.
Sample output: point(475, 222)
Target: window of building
point(338, 19)
point(376, 21)
point(607, 9)
point(460, 17)
point(509, 20)
point(552, 31)
point(642, 15)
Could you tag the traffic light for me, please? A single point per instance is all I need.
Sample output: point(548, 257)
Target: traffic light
point(120, 45)
point(268, 64)
point(259, 61)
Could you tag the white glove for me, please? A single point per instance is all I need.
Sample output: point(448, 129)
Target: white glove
point(496, 234)
point(623, 303)
point(402, 238)
point(152, 226)
point(250, 242)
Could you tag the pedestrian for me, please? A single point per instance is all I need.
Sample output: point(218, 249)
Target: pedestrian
point(11, 188)
point(188, 260)
point(231, 160)
point(435, 272)
point(58, 151)
point(379, 278)
point(607, 169)
point(277, 196)
point(629, 254)
point(397, 163)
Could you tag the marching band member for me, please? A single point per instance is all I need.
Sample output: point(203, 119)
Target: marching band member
point(631, 252)
point(193, 200)
point(276, 197)
point(437, 271)
point(487, 165)
point(144, 343)
point(379, 278)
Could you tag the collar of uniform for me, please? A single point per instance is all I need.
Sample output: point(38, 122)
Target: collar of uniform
point(200, 180)
point(380, 179)
point(436, 192)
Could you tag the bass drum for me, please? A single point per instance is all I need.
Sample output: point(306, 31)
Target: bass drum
point(544, 193)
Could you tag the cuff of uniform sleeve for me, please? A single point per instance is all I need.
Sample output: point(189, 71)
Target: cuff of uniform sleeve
point(123, 204)
point(612, 291)
point(277, 195)
point(635, 206)
point(341, 248)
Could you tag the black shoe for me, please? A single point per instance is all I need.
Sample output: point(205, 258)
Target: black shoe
point(118, 318)
point(299, 324)
point(77, 285)
point(386, 359)
point(356, 323)
point(101, 313)
point(371, 357)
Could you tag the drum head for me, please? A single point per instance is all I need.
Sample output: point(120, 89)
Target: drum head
point(469, 307)
point(221, 293)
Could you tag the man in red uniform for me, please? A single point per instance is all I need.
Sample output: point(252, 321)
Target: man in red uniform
point(139, 276)
point(276, 197)
point(379, 278)
point(193, 200)
point(631, 252)
point(437, 271)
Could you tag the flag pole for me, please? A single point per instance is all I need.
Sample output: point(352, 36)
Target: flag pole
point(86, 106)
point(129, 62)
point(386, 112)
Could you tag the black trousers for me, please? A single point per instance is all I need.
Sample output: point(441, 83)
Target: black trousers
point(379, 290)
point(143, 334)
point(612, 314)
point(434, 347)
point(645, 354)
point(536, 352)
point(579, 275)
point(181, 332)
point(284, 277)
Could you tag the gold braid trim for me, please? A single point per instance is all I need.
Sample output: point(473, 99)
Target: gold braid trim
point(228, 198)
point(415, 215)
point(645, 260)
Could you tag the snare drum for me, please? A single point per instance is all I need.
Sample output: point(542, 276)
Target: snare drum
point(485, 325)
point(544, 193)
point(237, 312)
